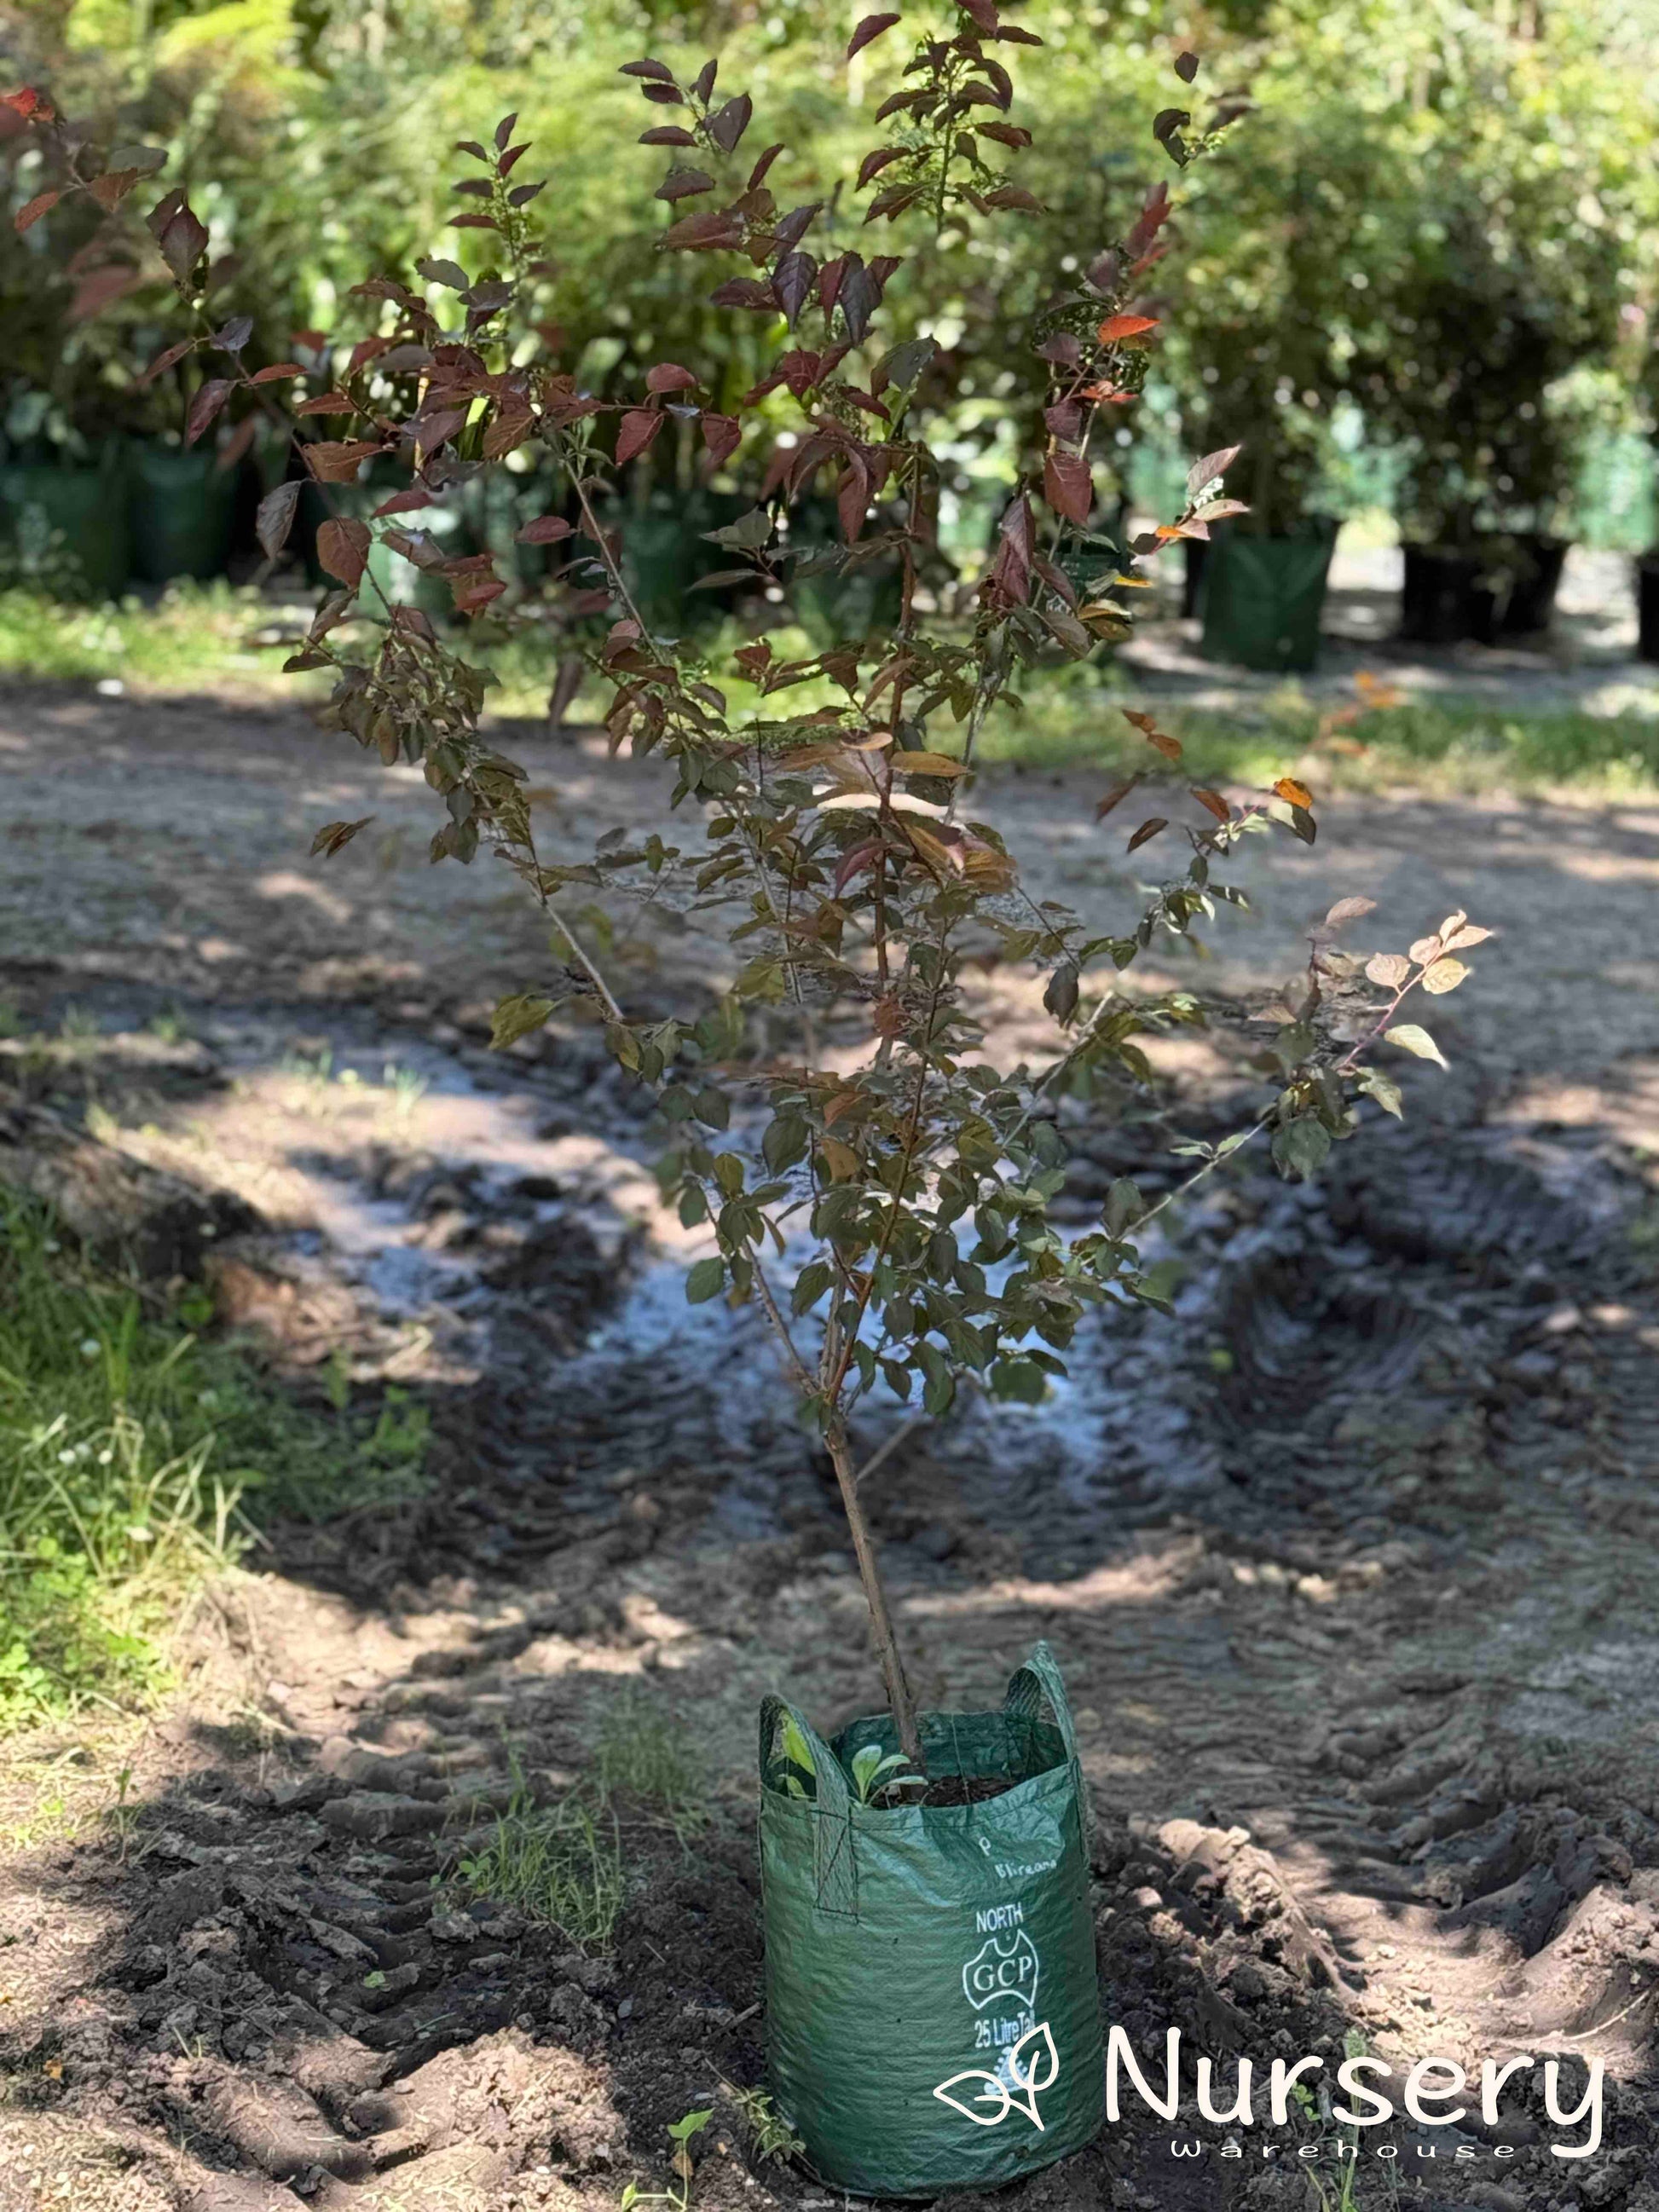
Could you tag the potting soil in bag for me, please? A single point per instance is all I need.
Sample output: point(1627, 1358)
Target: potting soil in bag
point(932, 2012)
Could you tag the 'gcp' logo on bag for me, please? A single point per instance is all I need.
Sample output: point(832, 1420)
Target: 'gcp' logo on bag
point(1002, 1974)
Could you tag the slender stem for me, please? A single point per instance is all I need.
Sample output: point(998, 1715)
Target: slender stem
point(896, 1682)
point(799, 1372)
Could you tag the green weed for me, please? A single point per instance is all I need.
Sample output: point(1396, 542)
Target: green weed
point(1341, 2191)
point(770, 2135)
point(678, 2194)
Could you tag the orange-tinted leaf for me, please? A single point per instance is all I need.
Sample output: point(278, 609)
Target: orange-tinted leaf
point(42, 203)
point(1216, 804)
point(1292, 792)
point(1117, 797)
point(1126, 326)
point(338, 460)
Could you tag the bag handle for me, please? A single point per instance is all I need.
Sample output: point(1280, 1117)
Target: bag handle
point(834, 1864)
point(1038, 1679)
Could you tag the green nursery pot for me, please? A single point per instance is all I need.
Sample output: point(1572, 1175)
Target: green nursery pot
point(1260, 598)
point(183, 505)
point(932, 2002)
point(69, 525)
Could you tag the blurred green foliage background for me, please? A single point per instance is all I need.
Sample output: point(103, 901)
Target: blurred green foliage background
point(1420, 272)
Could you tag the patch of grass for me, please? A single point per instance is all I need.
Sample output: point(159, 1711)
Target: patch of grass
point(641, 1754)
point(560, 1864)
point(196, 638)
point(135, 1453)
point(218, 637)
point(565, 1863)
point(1449, 746)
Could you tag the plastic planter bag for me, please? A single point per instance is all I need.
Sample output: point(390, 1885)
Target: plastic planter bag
point(183, 505)
point(932, 2012)
point(66, 529)
point(1260, 599)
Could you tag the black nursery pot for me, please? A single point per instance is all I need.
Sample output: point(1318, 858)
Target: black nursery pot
point(1647, 607)
point(1447, 595)
point(1533, 581)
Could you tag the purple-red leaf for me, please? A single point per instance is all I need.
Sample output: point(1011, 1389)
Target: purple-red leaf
point(683, 185)
point(545, 530)
point(727, 125)
point(343, 549)
point(638, 428)
point(209, 399)
point(275, 517)
point(871, 28)
point(1068, 487)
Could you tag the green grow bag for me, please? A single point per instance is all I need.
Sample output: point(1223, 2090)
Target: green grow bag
point(67, 528)
point(933, 2010)
point(183, 504)
point(1260, 598)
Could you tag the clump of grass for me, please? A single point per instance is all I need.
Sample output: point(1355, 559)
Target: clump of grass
point(641, 1755)
point(560, 1864)
point(563, 1863)
point(135, 1455)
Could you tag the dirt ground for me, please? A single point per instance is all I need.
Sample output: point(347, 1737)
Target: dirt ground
point(1351, 1567)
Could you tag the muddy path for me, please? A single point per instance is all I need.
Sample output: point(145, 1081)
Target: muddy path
point(1351, 1567)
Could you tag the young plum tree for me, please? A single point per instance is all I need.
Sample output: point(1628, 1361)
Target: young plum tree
point(843, 843)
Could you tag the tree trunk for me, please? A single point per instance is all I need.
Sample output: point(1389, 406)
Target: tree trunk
point(899, 1698)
